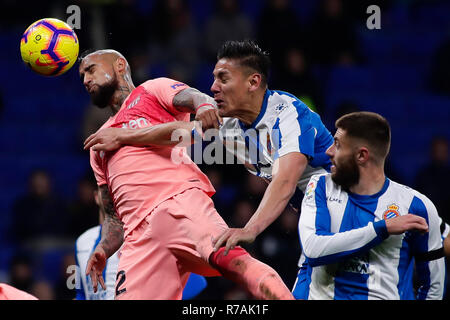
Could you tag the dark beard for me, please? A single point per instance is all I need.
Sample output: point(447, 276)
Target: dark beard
point(347, 174)
point(102, 97)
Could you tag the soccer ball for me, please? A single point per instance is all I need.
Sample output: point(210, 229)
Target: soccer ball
point(49, 47)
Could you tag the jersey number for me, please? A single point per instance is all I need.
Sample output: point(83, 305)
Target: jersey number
point(121, 275)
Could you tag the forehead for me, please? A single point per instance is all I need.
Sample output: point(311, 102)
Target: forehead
point(340, 134)
point(90, 60)
point(226, 65)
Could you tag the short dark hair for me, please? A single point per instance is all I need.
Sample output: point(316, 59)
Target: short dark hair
point(249, 54)
point(370, 127)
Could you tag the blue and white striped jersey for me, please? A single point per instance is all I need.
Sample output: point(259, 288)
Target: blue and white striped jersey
point(348, 253)
point(84, 247)
point(284, 125)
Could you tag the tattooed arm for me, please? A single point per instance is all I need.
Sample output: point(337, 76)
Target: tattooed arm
point(112, 227)
point(112, 239)
point(193, 101)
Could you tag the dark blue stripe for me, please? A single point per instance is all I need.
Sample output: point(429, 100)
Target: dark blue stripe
point(405, 273)
point(301, 289)
point(419, 244)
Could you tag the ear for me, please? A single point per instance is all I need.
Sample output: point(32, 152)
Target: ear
point(362, 156)
point(97, 197)
point(120, 65)
point(254, 81)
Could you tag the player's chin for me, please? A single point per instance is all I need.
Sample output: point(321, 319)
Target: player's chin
point(222, 110)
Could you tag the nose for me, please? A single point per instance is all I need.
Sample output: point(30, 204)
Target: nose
point(214, 87)
point(87, 80)
point(330, 151)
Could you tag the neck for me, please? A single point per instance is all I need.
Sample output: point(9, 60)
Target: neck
point(370, 181)
point(122, 92)
point(251, 110)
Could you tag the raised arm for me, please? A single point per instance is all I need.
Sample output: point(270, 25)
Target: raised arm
point(287, 172)
point(203, 106)
point(112, 239)
point(165, 134)
point(188, 100)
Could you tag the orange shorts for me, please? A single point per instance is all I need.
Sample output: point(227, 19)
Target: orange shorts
point(174, 240)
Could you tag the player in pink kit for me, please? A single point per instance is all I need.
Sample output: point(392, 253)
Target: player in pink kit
point(161, 211)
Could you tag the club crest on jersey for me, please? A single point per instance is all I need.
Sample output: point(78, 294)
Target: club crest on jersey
point(391, 212)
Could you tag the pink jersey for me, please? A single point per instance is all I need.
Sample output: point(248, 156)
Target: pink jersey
point(10, 293)
point(140, 178)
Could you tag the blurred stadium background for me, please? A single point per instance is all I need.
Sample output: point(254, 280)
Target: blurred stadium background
point(322, 51)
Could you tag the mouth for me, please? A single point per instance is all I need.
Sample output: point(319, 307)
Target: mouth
point(219, 102)
point(90, 89)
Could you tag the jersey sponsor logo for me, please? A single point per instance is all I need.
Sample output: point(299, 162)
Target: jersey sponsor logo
point(136, 123)
point(333, 199)
point(359, 264)
point(391, 212)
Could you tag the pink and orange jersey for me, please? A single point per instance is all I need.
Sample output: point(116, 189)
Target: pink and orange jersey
point(10, 293)
point(140, 178)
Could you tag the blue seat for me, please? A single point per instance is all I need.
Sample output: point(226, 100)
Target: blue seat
point(204, 77)
point(350, 79)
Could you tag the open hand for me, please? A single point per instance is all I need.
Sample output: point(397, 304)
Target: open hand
point(407, 222)
point(209, 117)
point(106, 139)
point(95, 266)
point(231, 237)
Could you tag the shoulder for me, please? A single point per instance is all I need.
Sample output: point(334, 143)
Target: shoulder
point(322, 181)
point(418, 202)
point(87, 239)
point(282, 99)
point(406, 191)
point(288, 107)
point(162, 84)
